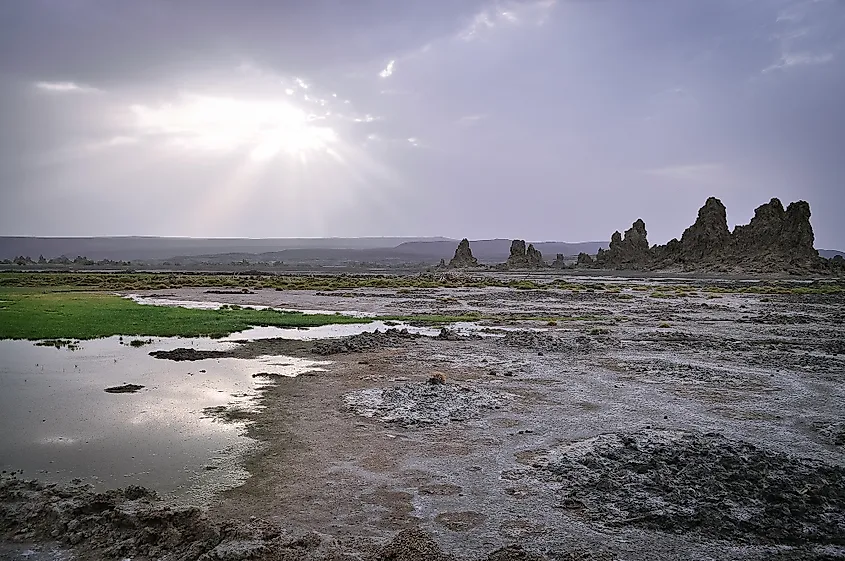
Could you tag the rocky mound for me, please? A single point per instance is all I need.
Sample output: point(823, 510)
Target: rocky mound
point(364, 342)
point(463, 256)
point(423, 404)
point(681, 482)
point(522, 258)
point(777, 240)
point(546, 342)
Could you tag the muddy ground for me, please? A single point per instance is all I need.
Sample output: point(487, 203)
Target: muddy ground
point(644, 422)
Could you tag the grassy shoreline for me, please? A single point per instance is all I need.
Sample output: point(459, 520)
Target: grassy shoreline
point(91, 315)
point(38, 314)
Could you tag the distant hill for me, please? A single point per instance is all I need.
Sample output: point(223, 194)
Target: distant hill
point(830, 253)
point(289, 250)
point(155, 248)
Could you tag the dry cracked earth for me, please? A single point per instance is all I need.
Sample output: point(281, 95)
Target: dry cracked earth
point(629, 421)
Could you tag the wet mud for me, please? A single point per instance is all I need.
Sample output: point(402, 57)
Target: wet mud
point(636, 419)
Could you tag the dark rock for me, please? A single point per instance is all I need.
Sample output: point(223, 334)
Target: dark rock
point(517, 259)
point(709, 234)
point(463, 256)
point(522, 258)
point(630, 252)
point(684, 482)
point(364, 342)
point(777, 240)
point(125, 388)
point(534, 257)
point(585, 260)
point(559, 262)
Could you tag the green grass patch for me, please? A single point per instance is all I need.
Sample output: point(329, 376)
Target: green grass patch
point(89, 315)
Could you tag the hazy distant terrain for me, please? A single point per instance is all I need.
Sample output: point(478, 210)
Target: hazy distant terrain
point(155, 248)
point(226, 250)
point(830, 253)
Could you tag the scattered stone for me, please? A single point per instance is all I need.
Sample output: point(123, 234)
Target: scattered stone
point(447, 334)
point(463, 256)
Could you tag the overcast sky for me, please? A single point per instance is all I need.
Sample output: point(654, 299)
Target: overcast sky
point(538, 119)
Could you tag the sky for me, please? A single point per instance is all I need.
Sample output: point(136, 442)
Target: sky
point(535, 119)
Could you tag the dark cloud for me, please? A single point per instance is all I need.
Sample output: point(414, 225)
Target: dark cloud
point(539, 119)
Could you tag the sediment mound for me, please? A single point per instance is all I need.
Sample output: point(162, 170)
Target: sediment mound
point(546, 342)
point(186, 354)
point(463, 256)
point(364, 342)
point(681, 482)
point(775, 241)
point(420, 404)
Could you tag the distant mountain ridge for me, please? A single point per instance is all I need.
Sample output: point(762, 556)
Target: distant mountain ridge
point(158, 248)
point(407, 249)
point(830, 253)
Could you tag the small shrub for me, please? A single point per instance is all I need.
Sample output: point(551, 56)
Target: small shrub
point(436, 379)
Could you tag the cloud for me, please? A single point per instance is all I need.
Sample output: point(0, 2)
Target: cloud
point(506, 14)
point(803, 32)
point(388, 70)
point(790, 60)
point(688, 172)
point(64, 87)
point(471, 120)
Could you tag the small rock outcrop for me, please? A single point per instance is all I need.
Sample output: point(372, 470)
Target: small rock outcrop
point(708, 235)
point(522, 258)
point(463, 256)
point(630, 252)
point(585, 259)
point(559, 262)
point(535, 258)
point(517, 259)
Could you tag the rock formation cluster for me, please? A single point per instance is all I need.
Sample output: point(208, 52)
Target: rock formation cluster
point(463, 256)
point(776, 240)
point(522, 258)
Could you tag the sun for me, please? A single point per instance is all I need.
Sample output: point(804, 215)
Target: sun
point(266, 129)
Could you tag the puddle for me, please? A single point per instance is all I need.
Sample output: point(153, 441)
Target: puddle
point(207, 305)
point(325, 331)
point(59, 422)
